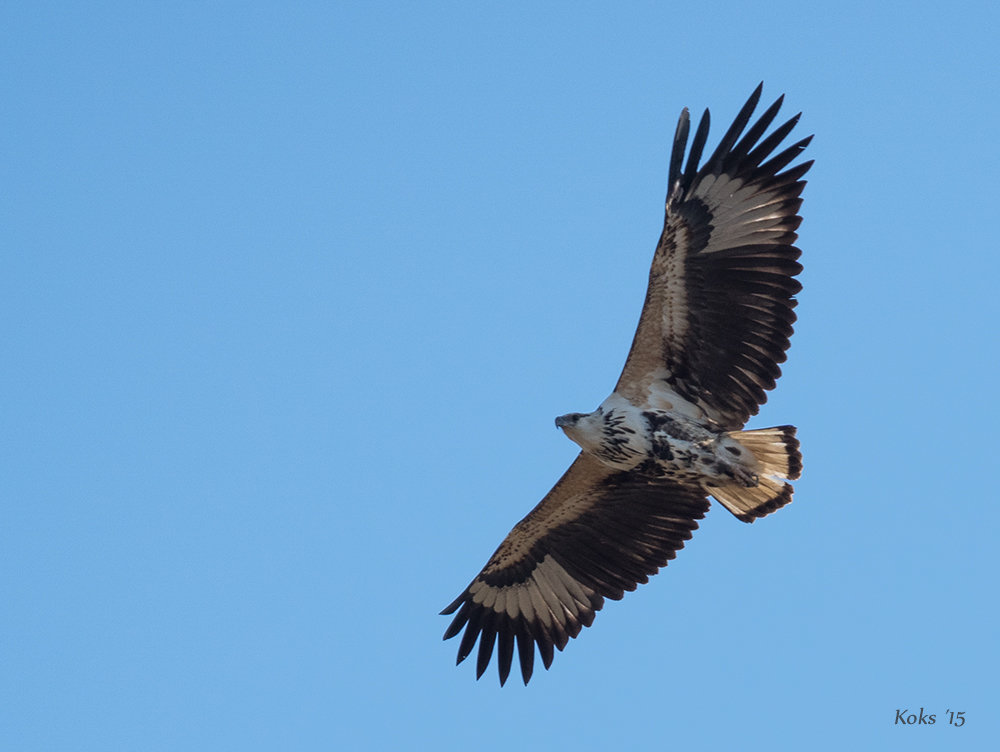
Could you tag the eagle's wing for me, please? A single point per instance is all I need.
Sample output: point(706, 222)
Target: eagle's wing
point(718, 310)
point(596, 534)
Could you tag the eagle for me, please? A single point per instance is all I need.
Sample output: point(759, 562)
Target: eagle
point(714, 328)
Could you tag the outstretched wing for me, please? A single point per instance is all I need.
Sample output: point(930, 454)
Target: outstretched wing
point(596, 534)
point(718, 312)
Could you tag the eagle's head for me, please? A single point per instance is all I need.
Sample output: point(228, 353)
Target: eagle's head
point(569, 420)
point(583, 428)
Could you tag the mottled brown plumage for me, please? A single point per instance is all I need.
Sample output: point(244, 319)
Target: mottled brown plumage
point(714, 327)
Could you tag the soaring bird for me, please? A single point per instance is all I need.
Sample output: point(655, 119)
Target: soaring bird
point(714, 327)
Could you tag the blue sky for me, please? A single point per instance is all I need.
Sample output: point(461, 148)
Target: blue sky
point(291, 293)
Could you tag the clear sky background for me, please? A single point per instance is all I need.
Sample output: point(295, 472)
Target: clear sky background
point(290, 295)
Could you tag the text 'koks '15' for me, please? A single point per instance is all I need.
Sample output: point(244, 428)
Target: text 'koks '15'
point(905, 717)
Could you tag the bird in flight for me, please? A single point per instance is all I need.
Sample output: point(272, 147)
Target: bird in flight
point(715, 325)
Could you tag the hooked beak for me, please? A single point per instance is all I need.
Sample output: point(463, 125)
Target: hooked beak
point(563, 420)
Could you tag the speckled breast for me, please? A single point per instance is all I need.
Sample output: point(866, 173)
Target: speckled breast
point(668, 446)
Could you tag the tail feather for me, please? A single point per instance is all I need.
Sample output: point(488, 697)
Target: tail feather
point(749, 504)
point(777, 455)
point(776, 449)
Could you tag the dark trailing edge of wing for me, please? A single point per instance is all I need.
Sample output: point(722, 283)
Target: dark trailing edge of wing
point(635, 527)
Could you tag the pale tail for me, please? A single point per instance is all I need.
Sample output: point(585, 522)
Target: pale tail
point(777, 453)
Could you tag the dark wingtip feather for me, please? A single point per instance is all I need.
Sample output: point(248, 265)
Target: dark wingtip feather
point(486, 642)
point(697, 146)
point(677, 154)
point(793, 174)
point(769, 144)
point(458, 622)
point(450, 609)
point(740, 150)
point(545, 649)
point(714, 162)
point(470, 636)
point(776, 163)
point(505, 653)
point(525, 652)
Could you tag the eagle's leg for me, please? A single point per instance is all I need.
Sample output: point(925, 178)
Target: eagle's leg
point(735, 473)
point(744, 477)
